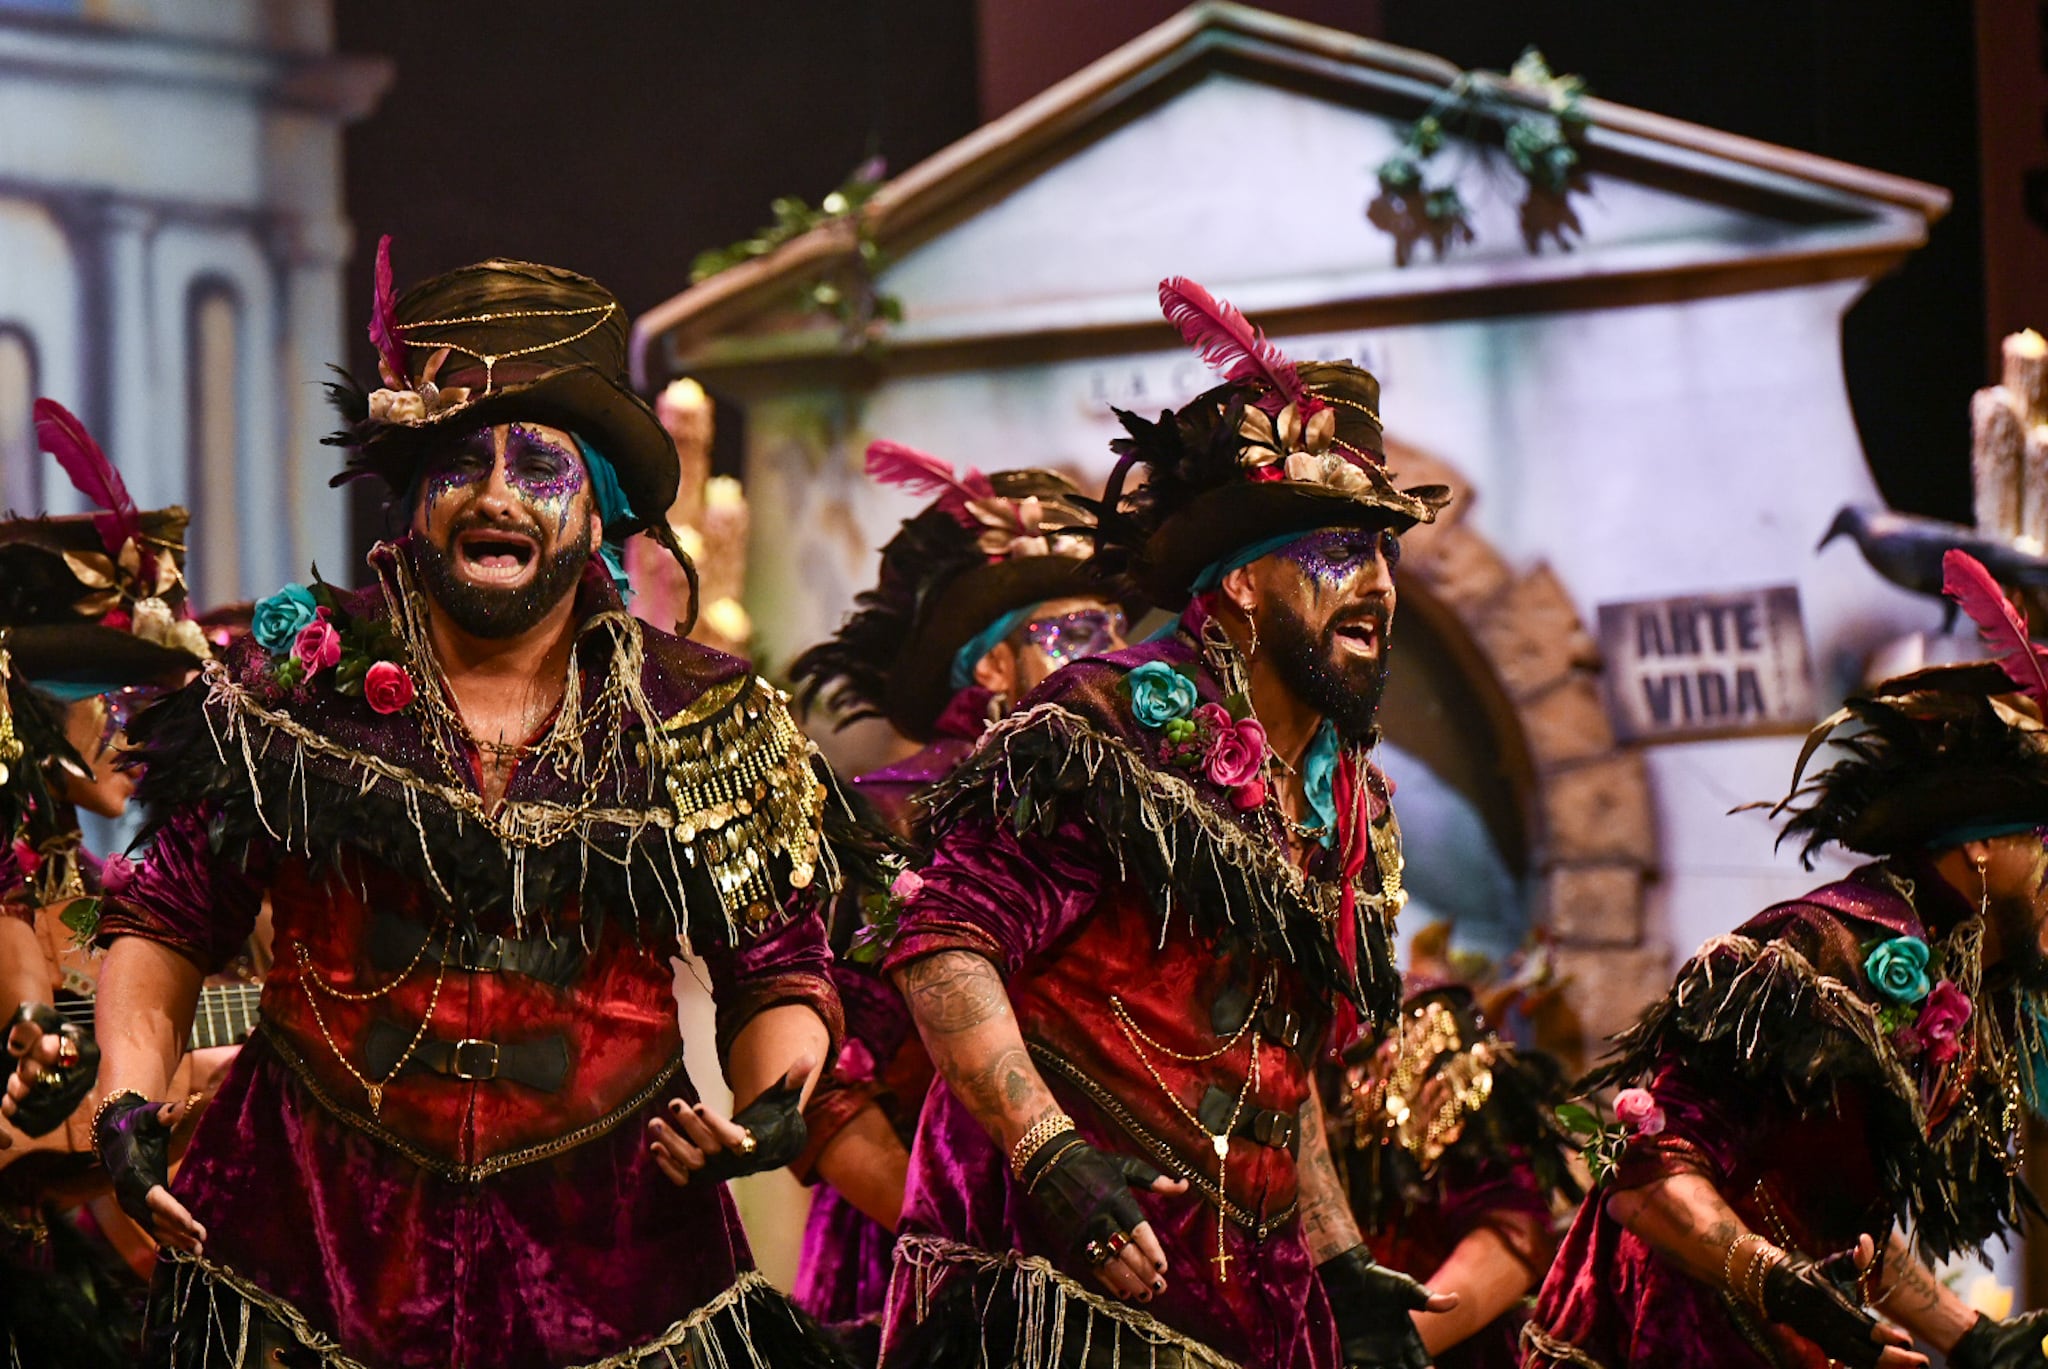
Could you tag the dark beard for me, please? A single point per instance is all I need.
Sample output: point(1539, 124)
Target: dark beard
point(495, 614)
point(1350, 699)
point(2021, 964)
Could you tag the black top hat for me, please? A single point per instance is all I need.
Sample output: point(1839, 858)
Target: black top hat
point(66, 621)
point(989, 545)
point(1278, 448)
point(1940, 753)
point(498, 341)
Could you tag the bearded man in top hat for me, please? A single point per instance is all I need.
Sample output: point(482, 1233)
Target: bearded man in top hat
point(485, 803)
point(1836, 1091)
point(91, 606)
point(982, 594)
point(1156, 893)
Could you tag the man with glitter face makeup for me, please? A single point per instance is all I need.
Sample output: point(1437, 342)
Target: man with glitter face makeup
point(982, 594)
point(1835, 1093)
point(486, 804)
point(1154, 894)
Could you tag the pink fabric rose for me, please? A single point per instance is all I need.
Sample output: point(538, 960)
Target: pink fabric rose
point(386, 686)
point(1237, 753)
point(1637, 1109)
point(1215, 715)
point(117, 872)
point(317, 646)
point(1249, 796)
point(26, 859)
point(1942, 1018)
point(906, 885)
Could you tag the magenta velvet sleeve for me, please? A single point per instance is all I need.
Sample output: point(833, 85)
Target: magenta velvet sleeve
point(1007, 896)
point(14, 899)
point(184, 898)
point(787, 962)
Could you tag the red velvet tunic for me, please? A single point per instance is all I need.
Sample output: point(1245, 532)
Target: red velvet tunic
point(498, 1205)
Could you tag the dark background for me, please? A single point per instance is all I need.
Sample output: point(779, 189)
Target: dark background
point(622, 139)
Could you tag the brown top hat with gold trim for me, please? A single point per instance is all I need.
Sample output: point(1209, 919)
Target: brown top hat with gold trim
point(498, 341)
point(1280, 447)
point(987, 546)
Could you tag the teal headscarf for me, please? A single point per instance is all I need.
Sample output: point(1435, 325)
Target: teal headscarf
point(613, 509)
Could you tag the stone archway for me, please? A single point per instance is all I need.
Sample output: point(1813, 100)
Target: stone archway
point(1591, 824)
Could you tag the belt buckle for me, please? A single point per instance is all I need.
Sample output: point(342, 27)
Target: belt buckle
point(486, 1068)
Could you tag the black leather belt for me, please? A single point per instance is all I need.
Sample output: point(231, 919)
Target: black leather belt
point(1266, 1126)
point(395, 943)
point(541, 1063)
point(1277, 1024)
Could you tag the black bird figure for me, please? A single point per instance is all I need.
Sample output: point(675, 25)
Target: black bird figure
point(1907, 550)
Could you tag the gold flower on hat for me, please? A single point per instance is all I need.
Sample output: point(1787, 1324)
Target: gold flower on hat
point(421, 403)
point(1304, 445)
point(1013, 528)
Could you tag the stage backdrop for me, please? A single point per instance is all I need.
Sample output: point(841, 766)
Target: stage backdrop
point(1635, 388)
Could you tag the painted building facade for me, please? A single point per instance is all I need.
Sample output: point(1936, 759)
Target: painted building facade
point(172, 239)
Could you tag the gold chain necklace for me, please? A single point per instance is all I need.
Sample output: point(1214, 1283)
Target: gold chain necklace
point(1218, 1141)
point(309, 980)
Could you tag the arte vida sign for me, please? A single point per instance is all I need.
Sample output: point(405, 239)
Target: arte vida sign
point(1707, 665)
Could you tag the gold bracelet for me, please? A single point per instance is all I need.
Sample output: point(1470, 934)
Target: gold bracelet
point(1759, 1270)
point(1728, 1261)
point(1073, 1141)
point(93, 1131)
point(1041, 1131)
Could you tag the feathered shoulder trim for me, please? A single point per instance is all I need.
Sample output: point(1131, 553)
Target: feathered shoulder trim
point(1784, 1008)
point(1076, 751)
point(681, 799)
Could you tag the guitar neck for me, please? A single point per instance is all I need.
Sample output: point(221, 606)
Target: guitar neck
point(225, 1016)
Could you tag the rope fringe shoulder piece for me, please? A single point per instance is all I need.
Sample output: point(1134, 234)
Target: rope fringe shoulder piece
point(1764, 1011)
point(723, 797)
point(1048, 761)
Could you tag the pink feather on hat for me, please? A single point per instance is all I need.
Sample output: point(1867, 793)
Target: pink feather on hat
point(59, 433)
point(1231, 344)
point(2003, 627)
point(906, 468)
point(384, 334)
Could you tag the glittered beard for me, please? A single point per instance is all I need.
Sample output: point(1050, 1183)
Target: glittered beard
point(487, 611)
point(1306, 662)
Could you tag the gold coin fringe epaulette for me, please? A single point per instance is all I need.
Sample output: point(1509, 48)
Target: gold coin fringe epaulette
point(739, 776)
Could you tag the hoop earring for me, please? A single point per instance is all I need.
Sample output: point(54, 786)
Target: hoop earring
point(1252, 625)
point(1983, 891)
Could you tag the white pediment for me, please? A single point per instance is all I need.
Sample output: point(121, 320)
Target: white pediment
point(1241, 149)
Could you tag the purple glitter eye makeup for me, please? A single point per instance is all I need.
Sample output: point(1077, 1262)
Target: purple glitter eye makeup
point(1078, 635)
point(541, 473)
point(1336, 554)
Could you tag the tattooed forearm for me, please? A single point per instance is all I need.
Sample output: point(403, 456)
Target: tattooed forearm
point(963, 1012)
point(953, 991)
point(1327, 1225)
point(1917, 1300)
point(1008, 1086)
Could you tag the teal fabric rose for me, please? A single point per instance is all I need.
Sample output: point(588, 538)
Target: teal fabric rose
point(1898, 969)
point(278, 620)
point(1160, 694)
point(1319, 781)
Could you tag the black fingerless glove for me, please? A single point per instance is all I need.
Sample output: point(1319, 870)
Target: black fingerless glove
point(136, 1149)
point(1083, 1195)
point(1372, 1305)
point(58, 1089)
point(2020, 1341)
point(1820, 1300)
point(776, 1122)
